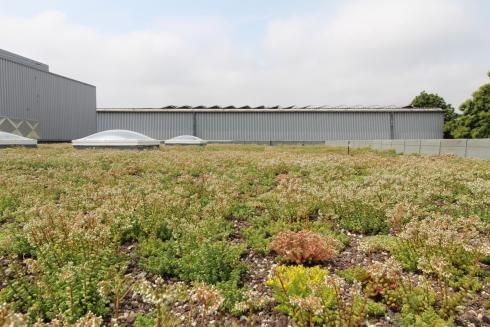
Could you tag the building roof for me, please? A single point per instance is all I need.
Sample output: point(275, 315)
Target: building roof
point(216, 108)
point(23, 60)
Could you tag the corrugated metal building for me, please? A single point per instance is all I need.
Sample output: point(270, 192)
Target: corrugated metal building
point(64, 108)
point(34, 101)
point(277, 124)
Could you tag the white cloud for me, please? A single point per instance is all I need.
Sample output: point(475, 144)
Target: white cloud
point(370, 52)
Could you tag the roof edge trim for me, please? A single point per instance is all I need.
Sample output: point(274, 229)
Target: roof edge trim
point(346, 109)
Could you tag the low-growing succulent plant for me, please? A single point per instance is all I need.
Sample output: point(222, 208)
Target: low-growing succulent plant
point(310, 296)
point(77, 229)
point(304, 246)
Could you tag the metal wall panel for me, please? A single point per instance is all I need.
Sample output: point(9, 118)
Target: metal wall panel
point(65, 108)
point(160, 126)
point(277, 126)
point(294, 126)
point(420, 125)
point(23, 60)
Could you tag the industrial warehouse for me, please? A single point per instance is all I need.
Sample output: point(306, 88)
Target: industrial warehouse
point(37, 103)
point(276, 124)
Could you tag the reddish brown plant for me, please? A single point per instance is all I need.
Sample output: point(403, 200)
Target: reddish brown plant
point(304, 246)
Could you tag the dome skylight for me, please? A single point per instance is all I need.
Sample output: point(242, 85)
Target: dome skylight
point(116, 138)
point(185, 140)
point(9, 139)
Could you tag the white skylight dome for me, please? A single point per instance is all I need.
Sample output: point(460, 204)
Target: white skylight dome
point(116, 138)
point(186, 140)
point(9, 139)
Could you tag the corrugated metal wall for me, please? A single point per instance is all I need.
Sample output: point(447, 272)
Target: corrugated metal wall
point(276, 126)
point(65, 108)
point(154, 124)
point(422, 125)
point(23, 60)
point(294, 126)
point(160, 126)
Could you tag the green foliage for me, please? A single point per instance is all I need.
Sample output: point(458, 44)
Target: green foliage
point(144, 320)
point(442, 245)
point(311, 297)
point(192, 260)
point(427, 318)
point(210, 261)
point(359, 217)
point(214, 262)
point(159, 257)
point(241, 211)
point(76, 226)
point(18, 245)
point(68, 264)
point(418, 300)
point(162, 316)
point(255, 182)
point(70, 290)
point(8, 204)
point(292, 208)
point(475, 121)
point(231, 291)
point(421, 306)
point(431, 100)
point(379, 243)
point(353, 274)
point(375, 309)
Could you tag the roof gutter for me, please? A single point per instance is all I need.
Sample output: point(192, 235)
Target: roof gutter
point(131, 110)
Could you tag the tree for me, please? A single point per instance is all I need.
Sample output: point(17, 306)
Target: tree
point(431, 100)
point(475, 121)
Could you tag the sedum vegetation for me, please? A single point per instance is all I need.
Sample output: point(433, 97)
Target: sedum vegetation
point(242, 235)
point(304, 246)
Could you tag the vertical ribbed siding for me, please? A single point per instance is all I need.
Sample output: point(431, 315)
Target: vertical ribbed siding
point(64, 108)
point(160, 126)
point(23, 60)
point(420, 125)
point(18, 94)
point(294, 126)
point(277, 126)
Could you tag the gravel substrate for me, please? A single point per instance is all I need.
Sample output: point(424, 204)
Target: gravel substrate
point(261, 266)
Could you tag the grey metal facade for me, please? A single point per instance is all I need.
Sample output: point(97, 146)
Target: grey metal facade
point(65, 108)
point(155, 125)
point(23, 60)
point(277, 125)
point(424, 125)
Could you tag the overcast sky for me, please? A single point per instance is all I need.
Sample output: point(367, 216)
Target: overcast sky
point(155, 53)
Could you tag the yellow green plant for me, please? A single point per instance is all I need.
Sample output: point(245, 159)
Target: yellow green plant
point(310, 296)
